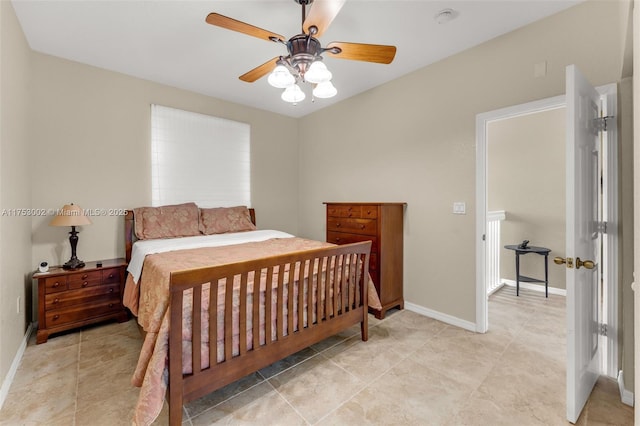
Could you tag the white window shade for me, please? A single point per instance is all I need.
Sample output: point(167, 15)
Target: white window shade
point(199, 158)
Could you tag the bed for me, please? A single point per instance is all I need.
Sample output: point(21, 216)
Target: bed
point(307, 291)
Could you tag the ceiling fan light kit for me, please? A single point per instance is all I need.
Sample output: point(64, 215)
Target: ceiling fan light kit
point(304, 61)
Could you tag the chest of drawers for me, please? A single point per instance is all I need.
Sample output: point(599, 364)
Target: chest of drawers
point(382, 224)
point(73, 298)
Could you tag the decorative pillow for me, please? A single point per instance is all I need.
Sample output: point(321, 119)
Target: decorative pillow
point(180, 220)
point(225, 219)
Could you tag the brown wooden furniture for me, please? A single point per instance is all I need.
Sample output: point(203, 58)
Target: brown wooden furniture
point(329, 314)
point(382, 224)
point(69, 299)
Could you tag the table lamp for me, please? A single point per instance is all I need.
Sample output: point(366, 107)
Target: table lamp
point(71, 215)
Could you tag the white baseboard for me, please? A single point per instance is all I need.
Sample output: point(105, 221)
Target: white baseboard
point(467, 325)
point(536, 287)
point(626, 396)
point(6, 383)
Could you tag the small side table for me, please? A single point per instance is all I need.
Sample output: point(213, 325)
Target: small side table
point(543, 251)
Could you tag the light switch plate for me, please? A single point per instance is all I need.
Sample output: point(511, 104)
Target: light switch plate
point(459, 207)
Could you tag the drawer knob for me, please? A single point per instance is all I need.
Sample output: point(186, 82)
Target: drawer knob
point(350, 214)
point(338, 239)
point(110, 275)
point(55, 317)
point(361, 226)
point(84, 277)
point(56, 300)
point(338, 225)
point(111, 290)
point(111, 305)
point(57, 284)
point(86, 283)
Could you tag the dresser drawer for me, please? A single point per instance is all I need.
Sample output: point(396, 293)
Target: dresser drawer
point(57, 317)
point(81, 296)
point(347, 238)
point(336, 210)
point(355, 211)
point(354, 226)
point(55, 284)
point(111, 275)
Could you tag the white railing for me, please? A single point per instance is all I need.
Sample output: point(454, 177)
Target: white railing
point(493, 250)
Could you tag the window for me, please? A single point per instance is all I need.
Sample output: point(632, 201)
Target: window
point(199, 158)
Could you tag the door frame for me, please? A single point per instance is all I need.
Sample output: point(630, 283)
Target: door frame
point(610, 92)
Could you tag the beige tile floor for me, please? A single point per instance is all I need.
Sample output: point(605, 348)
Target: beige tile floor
point(412, 371)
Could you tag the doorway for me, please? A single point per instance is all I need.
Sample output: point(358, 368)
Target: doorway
point(526, 180)
point(609, 274)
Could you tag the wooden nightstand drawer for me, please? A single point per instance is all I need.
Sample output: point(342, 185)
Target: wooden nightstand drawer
point(58, 317)
point(81, 296)
point(55, 284)
point(110, 276)
point(356, 226)
point(84, 279)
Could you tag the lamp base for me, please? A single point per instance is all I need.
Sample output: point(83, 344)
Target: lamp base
point(73, 263)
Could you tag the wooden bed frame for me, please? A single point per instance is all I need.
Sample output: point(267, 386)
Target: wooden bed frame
point(327, 315)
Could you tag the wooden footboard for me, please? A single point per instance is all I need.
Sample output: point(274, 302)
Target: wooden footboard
point(327, 289)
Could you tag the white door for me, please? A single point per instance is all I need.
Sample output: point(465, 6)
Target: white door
point(583, 111)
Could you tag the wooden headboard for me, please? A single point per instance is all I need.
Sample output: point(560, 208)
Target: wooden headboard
point(130, 235)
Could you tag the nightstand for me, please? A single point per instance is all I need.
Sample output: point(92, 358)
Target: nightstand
point(69, 299)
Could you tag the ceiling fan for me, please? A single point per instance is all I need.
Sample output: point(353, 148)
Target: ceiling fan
point(304, 60)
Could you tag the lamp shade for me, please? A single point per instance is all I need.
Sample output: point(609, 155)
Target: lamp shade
point(293, 94)
point(70, 215)
point(325, 90)
point(317, 73)
point(281, 77)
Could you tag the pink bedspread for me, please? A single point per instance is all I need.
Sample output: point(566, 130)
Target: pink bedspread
point(152, 296)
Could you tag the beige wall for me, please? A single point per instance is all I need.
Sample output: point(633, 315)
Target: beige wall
point(15, 186)
point(413, 140)
point(526, 179)
point(91, 146)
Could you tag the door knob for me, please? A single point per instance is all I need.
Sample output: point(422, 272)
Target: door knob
point(562, 260)
point(586, 263)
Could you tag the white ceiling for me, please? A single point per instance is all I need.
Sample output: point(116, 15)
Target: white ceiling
point(169, 41)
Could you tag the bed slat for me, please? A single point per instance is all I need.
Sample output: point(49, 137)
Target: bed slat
point(280, 304)
point(268, 302)
point(255, 314)
point(213, 324)
point(242, 326)
point(196, 329)
point(228, 312)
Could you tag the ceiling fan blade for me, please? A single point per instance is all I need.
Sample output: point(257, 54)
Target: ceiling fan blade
point(242, 27)
point(260, 71)
point(362, 52)
point(321, 15)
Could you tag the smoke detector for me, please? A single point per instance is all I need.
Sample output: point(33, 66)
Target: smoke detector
point(445, 15)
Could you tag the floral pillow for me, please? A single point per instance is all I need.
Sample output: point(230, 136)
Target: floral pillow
point(225, 219)
point(180, 220)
